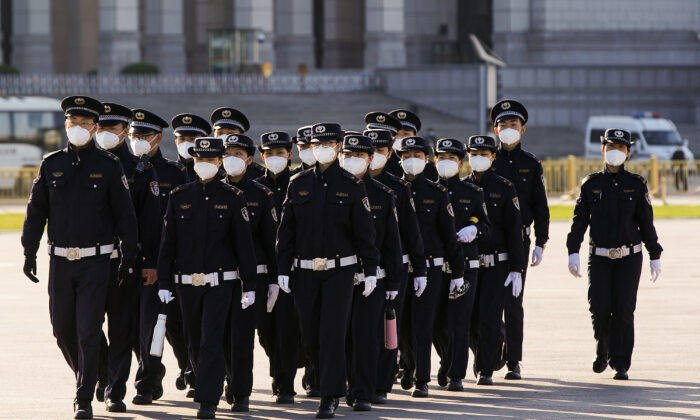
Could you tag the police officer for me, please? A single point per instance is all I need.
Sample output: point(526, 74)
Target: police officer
point(303, 142)
point(206, 248)
point(240, 331)
point(280, 326)
point(232, 121)
point(187, 127)
point(412, 248)
point(524, 170)
point(367, 305)
point(122, 301)
point(437, 227)
point(326, 229)
point(616, 205)
point(501, 254)
point(410, 125)
point(171, 174)
point(82, 192)
point(451, 336)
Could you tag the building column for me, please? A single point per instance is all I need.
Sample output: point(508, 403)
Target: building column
point(294, 40)
point(385, 42)
point(257, 16)
point(118, 35)
point(162, 38)
point(31, 36)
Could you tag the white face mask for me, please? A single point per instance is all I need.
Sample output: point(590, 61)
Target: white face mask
point(276, 164)
point(509, 136)
point(140, 147)
point(78, 136)
point(206, 170)
point(234, 165)
point(397, 144)
point(413, 166)
point(324, 154)
point(479, 163)
point(354, 165)
point(615, 157)
point(107, 140)
point(183, 149)
point(307, 156)
point(447, 168)
point(378, 161)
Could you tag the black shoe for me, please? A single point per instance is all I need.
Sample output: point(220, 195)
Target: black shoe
point(275, 388)
point(158, 385)
point(100, 393)
point(600, 364)
point(420, 391)
point(513, 371)
point(206, 411)
point(241, 405)
point(399, 374)
point(115, 406)
point(228, 394)
point(407, 380)
point(442, 377)
point(312, 392)
point(284, 399)
point(327, 407)
point(82, 409)
point(379, 398)
point(349, 400)
point(180, 383)
point(621, 375)
point(190, 392)
point(361, 405)
point(455, 385)
point(484, 380)
point(142, 399)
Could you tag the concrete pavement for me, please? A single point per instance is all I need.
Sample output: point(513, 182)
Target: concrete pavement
point(35, 381)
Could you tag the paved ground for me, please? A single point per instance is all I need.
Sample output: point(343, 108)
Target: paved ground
point(37, 383)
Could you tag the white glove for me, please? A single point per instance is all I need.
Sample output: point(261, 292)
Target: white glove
point(655, 268)
point(370, 284)
point(574, 265)
point(247, 299)
point(517, 280)
point(536, 256)
point(419, 284)
point(165, 296)
point(456, 284)
point(272, 291)
point(391, 294)
point(467, 234)
point(283, 282)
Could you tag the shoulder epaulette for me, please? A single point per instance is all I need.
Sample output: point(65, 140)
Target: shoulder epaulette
point(638, 177)
point(176, 164)
point(258, 166)
point(300, 174)
point(262, 187)
point(398, 179)
point(472, 186)
point(437, 185)
point(180, 188)
point(52, 154)
point(382, 187)
point(351, 177)
point(107, 154)
point(504, 180)
point(229, 187)
point(531, 156)
point(591, 176)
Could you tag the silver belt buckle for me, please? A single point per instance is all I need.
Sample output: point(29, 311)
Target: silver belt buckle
point(320, 264)
point(198, 279)
point(72, 254)
point(614, 253)
point(482, 261)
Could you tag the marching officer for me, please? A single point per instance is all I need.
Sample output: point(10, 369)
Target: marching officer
point(451, 336)
point(206, 247)
point(412, 248)
point(122, 302)
point(187, 127)
point(616, 205)
point(240, 331)
point(82, 192)
point(280, 325)
point(232, 121)
point(171, 174)
point(303, 142)
point(524, 170)
point(501, 254)
point(410, 125)
point(326, 224)
point(437, 227)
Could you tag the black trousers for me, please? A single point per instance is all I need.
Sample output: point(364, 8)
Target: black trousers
point(612, 296)
point(239, 340)
point(419, 318)
point(77, 296)
point(264, 320)
point(204, 312)
point(487, 315)
point(323, 300)
point(365, 338)
point(176, 338)
point(286, 335)
point(150, 367)
point(452, 324)
point(513, 315)
point(387, 365)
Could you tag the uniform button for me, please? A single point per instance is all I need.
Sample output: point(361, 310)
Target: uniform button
point(163, 194)
point(325, 185)
point(510, 161)
point(94, 185)
point(206, 198)
point(374, 216)
point(341, 201)
point(221, 216)
point(524, 179)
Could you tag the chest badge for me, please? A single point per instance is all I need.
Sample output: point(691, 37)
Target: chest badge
point(155, 188)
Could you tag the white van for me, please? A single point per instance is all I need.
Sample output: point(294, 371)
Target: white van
point(652, 136)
